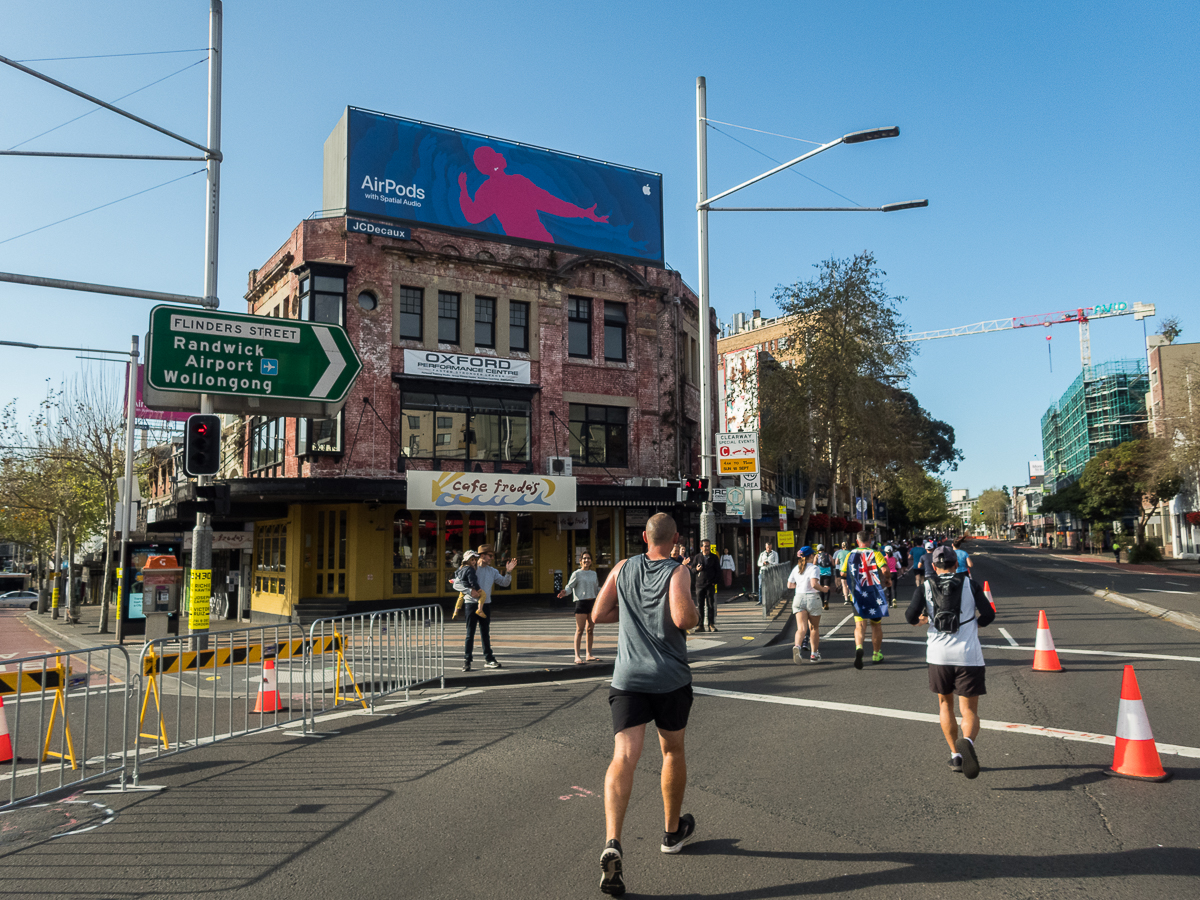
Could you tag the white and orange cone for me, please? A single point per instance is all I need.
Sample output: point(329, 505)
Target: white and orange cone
point(268, 691)
point(1045, 657)
point(6, 747)
point(987, 592)
point(1136, 755)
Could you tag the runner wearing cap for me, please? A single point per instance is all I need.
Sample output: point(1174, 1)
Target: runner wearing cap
point(805, 580)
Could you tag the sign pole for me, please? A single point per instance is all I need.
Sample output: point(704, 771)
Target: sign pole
point(200, 583)
point(124, 578)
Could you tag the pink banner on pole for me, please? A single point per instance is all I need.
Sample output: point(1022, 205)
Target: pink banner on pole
point(140, 409)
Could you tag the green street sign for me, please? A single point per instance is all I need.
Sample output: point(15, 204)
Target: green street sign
point(256, 364)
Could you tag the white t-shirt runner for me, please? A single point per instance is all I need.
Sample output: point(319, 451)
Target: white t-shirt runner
point(802, 577)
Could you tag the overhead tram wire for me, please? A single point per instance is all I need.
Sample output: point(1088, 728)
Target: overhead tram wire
point(118, 100)
point(116, 55)
point(101, 206)
point(779, 162)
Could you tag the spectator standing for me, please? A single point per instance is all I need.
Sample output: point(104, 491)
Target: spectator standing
point(488, 578)
point(953, 652)
point(727, 568)
point(766, 559)
point(583, 586)
point(707, 570)
point(650, 597)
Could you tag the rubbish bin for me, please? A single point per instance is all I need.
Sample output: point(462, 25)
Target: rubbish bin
point(162, 578)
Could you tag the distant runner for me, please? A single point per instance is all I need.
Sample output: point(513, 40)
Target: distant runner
point(867, 574)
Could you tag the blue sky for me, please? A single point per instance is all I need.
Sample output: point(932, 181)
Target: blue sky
point(1055, 142)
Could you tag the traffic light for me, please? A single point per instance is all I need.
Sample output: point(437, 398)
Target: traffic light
point(693, 489)
point(202, 445)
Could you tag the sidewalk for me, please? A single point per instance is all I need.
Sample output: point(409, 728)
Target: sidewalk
point(533, 642)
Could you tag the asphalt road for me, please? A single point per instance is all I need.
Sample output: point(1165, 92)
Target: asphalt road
point(805, 780)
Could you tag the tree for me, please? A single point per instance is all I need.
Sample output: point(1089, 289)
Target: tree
point(846, 349)
point(1171, 329)
point(917, 500)
point(993, 509)
point(1133, 478)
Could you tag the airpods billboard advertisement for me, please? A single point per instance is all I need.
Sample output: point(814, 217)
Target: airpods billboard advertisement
point(425, 174)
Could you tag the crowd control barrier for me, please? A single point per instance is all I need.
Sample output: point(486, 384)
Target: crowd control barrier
point(63, 721)
point(774, 586)
point(413, 641)
point(202, 696)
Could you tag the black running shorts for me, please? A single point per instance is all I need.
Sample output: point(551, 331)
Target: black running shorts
point(584, 607)
point(668, 711)
point(966, 681)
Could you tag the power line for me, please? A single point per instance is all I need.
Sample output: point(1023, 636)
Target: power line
point(97, 109)
point(780, 162)
point(101, 206)
point(771, 133)
point(115, 55)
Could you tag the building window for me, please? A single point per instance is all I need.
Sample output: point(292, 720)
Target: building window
point(599, 435)
point(485, 321)
point(267, 437)
point(614, 331)
point(367, 300)
point(452, 426)
point(270, 558)
point(319, 436)
point(412, 302)
point(518, 326)
point(579, 327)
point(323, 297)
point(448, 305)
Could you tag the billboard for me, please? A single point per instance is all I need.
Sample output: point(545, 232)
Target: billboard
point(386, 166)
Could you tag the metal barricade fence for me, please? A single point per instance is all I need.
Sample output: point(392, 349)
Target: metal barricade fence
point(412, 643)
point(229, 688)
point(774, 586)
point(68, 709)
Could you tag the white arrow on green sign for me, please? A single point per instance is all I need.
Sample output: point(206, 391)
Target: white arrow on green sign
point(247, 363)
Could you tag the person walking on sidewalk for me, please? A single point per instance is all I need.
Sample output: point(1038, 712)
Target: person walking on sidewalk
point(583, 586)
point(766, 559)
point(1117, 552)
point(955, 609)
point(707, 569)
point(866, 571)
point(650, 597)
point(805, 579)
point(480, 611)
point(727, 568)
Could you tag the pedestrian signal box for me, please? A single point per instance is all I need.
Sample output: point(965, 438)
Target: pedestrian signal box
point(202, 445)
point(693, 489)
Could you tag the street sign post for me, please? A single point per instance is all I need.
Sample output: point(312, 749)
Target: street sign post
point(737, 452)
point(750, 479)
point(247, 364)
point(735, 501)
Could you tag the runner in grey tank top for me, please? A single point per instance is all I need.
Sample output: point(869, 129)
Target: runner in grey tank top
point(651, 650)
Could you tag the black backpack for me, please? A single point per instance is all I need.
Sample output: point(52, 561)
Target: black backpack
point(947, 602)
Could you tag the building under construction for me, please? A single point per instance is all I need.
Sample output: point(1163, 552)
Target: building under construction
point(1099, 410)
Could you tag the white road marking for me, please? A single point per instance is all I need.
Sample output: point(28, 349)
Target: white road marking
point(1117, 653)
point(831, 631)
point(1161, 591)
point(1177, 584)
point(1008, 637)
point(1008, 727)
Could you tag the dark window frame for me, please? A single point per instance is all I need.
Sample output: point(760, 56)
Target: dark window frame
point(445, 297)
point(488, 321)
point(268, 442)
point(403, 315)
point(316, 297)
point(618, 328)
point(579, 317)
point(306, 436)
point(582, 418)
point(514, 327)
point(515, 420)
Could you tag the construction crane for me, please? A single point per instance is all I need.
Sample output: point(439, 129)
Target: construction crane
point(1083, 316)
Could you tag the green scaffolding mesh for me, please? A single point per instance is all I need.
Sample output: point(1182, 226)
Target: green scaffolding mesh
point(1099, 410)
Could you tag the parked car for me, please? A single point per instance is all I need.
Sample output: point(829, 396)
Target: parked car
point(19, 599)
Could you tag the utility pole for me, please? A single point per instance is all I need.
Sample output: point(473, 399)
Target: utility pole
point(708, 518)
point(55, 592)
point(124, 573)
point(200, 582)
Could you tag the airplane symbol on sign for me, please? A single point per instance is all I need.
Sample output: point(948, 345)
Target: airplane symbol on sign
point(270, 367)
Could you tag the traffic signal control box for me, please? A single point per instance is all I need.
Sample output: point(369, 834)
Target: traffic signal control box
point(693, 489)
point(202, 445)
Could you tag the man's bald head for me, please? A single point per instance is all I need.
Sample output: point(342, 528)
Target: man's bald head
point(661, 531)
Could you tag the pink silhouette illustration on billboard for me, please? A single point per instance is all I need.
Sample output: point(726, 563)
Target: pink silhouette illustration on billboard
point(515, 200)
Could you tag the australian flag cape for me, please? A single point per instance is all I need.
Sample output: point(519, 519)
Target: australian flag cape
point(866, 585)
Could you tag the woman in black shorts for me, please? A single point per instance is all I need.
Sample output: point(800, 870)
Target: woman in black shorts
point(583, 586)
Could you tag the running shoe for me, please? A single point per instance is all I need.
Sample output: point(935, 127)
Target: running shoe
point(970, 762)
point(956, 765)
point(610, 864)
point(814, 657)
point(876, 658)
point(858, 654)
point(492, 664)
point(466, 667)
point(673, 841)
point(796, 657)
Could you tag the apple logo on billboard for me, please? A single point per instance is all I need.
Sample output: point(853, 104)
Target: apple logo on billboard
point(646, 189)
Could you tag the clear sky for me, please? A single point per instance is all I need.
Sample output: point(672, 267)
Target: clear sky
point(1056, 143)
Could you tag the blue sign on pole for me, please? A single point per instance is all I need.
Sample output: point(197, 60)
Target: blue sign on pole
point(425, 174)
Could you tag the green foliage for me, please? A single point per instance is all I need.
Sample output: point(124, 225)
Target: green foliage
point(1133, 478)
point(917, 500)
point(1144, 553)
point(1068, 500)
point(1171, 329)
point(992, 507)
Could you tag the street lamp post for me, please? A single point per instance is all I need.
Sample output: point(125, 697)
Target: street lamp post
point(704, 204)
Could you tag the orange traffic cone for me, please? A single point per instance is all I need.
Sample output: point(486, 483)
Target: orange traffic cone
point(6, 747)
point(1045, 657)
point(1136, 755)
point(268, 692)
point(987, 592)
